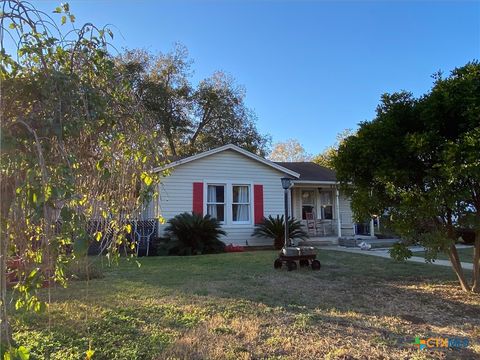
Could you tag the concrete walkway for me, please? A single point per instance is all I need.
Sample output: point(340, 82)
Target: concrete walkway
point(384, 253)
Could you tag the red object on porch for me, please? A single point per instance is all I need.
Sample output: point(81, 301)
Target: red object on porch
point(258, 203)
point(197, 207)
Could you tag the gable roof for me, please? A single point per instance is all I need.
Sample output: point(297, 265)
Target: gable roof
point(232, 147)
point(310, 171)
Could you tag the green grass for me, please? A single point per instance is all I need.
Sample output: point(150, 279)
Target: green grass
point(466, 254)
point(235, 306)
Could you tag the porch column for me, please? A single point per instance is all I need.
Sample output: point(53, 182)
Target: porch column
point(337, 205)
point(372, 228)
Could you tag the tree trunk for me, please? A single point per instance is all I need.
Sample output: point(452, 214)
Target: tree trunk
point(476, 263)
point(205, 120)
point(7, 185)
point(457, 267)
point(453, 253)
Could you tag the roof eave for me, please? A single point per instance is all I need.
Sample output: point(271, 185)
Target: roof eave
point(328, 182)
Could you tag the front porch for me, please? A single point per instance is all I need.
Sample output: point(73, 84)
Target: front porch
point(323, 211)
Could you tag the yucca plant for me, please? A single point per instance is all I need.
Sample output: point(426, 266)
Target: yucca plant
point(274, 228)
point(194, 234)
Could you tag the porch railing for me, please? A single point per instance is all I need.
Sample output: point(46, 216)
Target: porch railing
point(323, 228)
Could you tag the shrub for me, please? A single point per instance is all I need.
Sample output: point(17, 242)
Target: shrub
point(274, 228)
point(191, 234)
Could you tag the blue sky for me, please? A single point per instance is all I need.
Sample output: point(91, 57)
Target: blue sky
point(310, 68)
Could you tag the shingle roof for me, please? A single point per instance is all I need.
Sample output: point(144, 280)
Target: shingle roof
point(309, 171)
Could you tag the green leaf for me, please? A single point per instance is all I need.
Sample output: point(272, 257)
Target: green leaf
point(23, 353)
point(34, 198)
point(147, 179)
point(64, 19)
point(32, 274)
point(48, 192)
point(99, 165)
point(12, 26)
point(89, 354)
point(38, 306)
point(19, 304)
point(57, 10)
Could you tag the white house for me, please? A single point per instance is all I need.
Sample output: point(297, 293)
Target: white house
point(239, 188)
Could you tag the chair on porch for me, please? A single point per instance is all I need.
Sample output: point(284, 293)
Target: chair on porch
point(311, 223)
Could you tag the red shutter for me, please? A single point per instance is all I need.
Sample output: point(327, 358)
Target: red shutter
point(258, 203)
point(197, 207)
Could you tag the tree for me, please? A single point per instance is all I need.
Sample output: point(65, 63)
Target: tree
point(325, 158)
point(192, 118)
point(289, 151)
point(75, 147)
point(417, 162)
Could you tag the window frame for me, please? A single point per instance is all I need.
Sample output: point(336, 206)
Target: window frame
point(249, 203)
point(224, 203)
point(228, 215)
point(323, 206)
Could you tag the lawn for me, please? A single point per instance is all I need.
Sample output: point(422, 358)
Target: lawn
point(235, 306)
point(466, 254)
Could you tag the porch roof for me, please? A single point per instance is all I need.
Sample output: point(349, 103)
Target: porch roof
point(310, 171)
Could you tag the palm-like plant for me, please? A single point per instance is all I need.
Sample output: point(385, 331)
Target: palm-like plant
point(274, 228)
point(195, 234)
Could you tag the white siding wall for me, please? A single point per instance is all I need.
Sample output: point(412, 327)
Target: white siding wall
point(176, 190)
point(346, 216)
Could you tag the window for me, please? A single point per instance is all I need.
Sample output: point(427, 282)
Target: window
point(229, 203)
point(308, 203)
point(216, 201)
point(326, 205)
point(241, 203)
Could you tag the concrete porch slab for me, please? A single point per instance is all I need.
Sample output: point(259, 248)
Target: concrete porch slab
point(319, 241)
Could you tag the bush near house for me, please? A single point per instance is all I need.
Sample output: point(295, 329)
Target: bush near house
point(192, 234)
point(274, 228)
